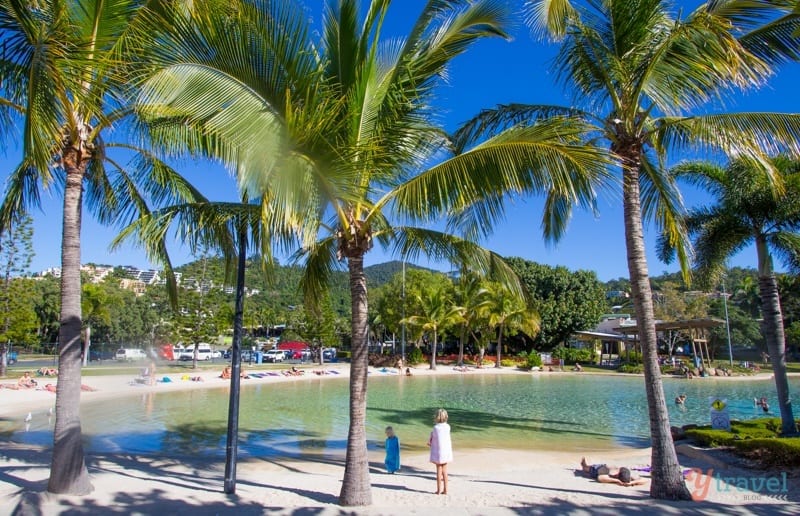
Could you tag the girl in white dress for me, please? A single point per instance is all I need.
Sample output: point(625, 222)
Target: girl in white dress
point(441, 449)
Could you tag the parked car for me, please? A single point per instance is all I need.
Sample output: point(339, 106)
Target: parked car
point(274, 355)
point(204, 352)
point(329, 354)
point(130, 354)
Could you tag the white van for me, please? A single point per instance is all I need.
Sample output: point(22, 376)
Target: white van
point(204, 352)
point(130, 354)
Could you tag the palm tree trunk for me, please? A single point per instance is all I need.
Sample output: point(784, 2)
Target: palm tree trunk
point(499, 344)
point(434, 345)
point(356, 489)
point(667, 478)
point(87, 343)
point(461, 342)
point(774, 335)
point(68, 474)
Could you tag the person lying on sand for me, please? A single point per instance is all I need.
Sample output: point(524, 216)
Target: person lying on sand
point(611, 474)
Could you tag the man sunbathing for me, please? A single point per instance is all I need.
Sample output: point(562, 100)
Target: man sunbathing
point(26, 382)
point(610, 474)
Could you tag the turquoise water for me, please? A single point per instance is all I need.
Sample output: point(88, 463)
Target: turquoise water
point(310, 416)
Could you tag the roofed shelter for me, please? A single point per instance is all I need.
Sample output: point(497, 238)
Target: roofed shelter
point(698, 330)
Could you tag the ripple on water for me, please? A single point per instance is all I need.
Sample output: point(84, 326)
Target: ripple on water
point(535, 411)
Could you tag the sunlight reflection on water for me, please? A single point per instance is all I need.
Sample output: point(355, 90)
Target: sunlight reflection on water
point(310, 416)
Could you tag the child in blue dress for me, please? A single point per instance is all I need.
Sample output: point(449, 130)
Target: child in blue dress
point(392, 460)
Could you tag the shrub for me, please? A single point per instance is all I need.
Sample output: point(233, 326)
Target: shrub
point(633, 357)
point(507, 362)
point(572, 355)
point(756, 439)
point(414, 356)
point(771, 453)
point(631, 368)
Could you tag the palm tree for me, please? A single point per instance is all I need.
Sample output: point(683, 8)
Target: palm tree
point(508, 312)
point(94, 309)
point(637, 73)
point(747, 297)
point(60, 85)
point(438, 313)
point(337, 132)
point(472, 300)
point(749, 210)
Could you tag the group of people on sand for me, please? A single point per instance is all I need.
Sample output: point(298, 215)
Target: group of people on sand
point(228, 372)
point(441, 454)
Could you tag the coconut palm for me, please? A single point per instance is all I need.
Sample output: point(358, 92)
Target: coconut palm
point(61, 87)
point(472, 299)
point(343, 126)
point(748, 210)
point(508, 313)
point(438, 313)
point(639, 74)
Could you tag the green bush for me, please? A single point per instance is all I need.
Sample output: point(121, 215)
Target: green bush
point(573, 355)
point(757, 439)
point(631, 368)
point(632, 357)
point(415, 356)
point(771, 453)
point(528, 361)
point(508, 362)
point(342, 355)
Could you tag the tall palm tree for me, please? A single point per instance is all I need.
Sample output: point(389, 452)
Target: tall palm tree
point(639, 74)
point(472, 299)
point(438, 313)
point(508, 312)
point(60, 85)
point(342, 127)
point(748, 210)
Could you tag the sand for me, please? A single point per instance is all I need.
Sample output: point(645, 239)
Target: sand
point(481, 481)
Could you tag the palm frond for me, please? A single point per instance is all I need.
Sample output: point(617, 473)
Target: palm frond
point(786, 246)
point(755, 136)
point(492, 121)
point(319, 263)
point(549, 17)
point(766, 28)
point(22, 194)
point(410, 242)
point(662, 202)
point(547, 158)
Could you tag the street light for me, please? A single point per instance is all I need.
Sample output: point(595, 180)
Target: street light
point(727, 323)
point(403, 334)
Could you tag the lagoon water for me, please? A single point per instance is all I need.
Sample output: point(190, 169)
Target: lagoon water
point(310, 416)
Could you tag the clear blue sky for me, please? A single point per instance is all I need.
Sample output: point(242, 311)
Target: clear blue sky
point(492, 72)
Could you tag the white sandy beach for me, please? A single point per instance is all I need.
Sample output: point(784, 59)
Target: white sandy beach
point(481, 482)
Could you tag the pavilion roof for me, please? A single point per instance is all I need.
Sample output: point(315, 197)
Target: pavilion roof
point(688, 324)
